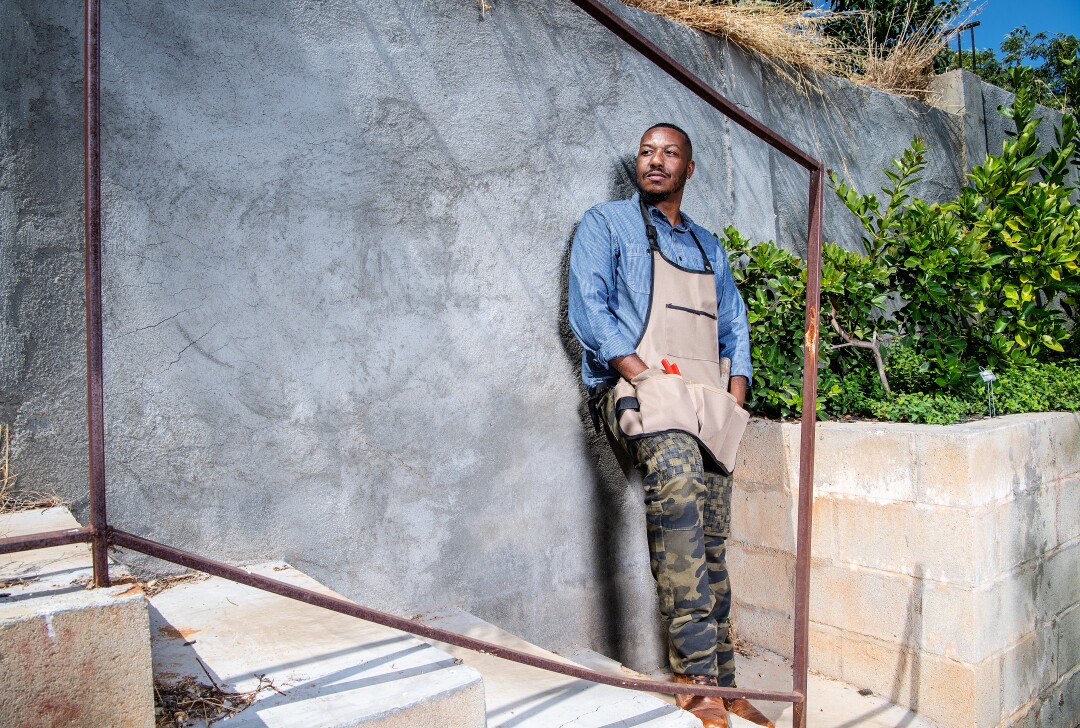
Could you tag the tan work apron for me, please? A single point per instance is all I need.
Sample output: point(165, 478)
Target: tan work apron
point(681, 327)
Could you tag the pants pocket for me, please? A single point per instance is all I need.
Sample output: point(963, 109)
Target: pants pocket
point(716, 515)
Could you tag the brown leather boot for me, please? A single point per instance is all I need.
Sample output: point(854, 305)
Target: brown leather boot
point(742, 708)
point(709, 710)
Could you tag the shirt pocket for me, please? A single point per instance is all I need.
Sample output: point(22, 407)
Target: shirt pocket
point(636, 268)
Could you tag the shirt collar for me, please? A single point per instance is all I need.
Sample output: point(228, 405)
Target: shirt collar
point(661, 217)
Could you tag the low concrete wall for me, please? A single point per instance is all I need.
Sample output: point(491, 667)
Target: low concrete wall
point(69, 656)
point(946, 562)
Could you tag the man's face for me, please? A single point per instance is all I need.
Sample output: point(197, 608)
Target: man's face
point(663, 164)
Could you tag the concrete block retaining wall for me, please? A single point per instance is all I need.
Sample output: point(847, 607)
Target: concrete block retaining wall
point(946, 562)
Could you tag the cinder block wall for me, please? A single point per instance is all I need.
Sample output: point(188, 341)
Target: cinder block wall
point(946, 562)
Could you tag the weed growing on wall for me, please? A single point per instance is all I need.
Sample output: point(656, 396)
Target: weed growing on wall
point(990, 279)
point(13, 500)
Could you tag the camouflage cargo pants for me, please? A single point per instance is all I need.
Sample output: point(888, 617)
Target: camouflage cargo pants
point(688, 517)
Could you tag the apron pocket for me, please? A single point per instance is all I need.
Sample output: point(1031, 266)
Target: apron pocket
point(690, 333)
point(627, 419)
point(666, 404)
point(721, 422)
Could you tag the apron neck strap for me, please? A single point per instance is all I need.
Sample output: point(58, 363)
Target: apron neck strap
point(650, 232)
point(650, 229)
point(704, 258)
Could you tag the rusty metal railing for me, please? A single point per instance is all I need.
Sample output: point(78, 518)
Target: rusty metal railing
point(959, 33)
point(101, 535)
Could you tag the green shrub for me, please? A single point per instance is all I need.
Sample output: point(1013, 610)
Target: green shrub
point(1039, 388)
point(852, 394)
point(931, 409)
point(1031, 232)
point(774, 285)
point(909, 371)
point(990, 279)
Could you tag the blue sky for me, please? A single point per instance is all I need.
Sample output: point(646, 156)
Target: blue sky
point(998, 17)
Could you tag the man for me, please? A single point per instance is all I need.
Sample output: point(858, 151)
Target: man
point(649, 289)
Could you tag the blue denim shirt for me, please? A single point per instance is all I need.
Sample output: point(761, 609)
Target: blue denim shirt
point(610, 276)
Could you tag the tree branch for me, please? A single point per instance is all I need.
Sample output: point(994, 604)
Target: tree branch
point(873, 345)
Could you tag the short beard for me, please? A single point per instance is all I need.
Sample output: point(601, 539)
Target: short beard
point(651, 198)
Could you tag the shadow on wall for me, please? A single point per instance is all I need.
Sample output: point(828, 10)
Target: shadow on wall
point(909, 664)
point(617, 496)
point(908, 667)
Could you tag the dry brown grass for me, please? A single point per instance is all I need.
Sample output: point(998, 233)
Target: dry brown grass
point(789, 38)
point(155, 586)
point(792, 41)
point(906, 67)
point(741, 646)
point(23, 500)
point(187, 701)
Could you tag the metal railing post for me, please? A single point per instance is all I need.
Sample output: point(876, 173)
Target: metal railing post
point(99, 524)
point(800, 650)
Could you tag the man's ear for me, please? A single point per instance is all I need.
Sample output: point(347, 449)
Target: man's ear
point(690, 169)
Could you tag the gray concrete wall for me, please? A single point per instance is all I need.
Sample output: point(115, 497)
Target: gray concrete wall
point(335, 241)
point(976, 104)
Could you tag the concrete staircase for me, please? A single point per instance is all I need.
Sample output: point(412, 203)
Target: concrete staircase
point(77, 657)
point(305, 666)
point(527, 697)
point(332, 670)
point(296, 665)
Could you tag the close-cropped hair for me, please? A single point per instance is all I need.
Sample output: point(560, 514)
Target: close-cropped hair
point(666, 125)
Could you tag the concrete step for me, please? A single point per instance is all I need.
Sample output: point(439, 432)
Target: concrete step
point(69, 655)
point(520, 696)
point(602, 663)
point(305, 666)
point(830, 703)
point(82, 657)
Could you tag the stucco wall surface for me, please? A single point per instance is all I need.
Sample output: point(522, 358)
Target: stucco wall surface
point(335, 240)
point(977, 105)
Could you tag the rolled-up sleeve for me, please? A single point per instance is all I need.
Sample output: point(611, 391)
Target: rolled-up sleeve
point(733, 329)
point(593, 260)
